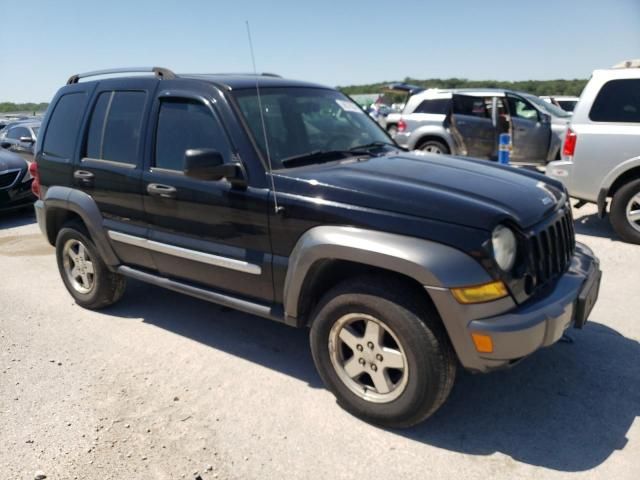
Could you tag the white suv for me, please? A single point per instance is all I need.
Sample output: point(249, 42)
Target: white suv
point(601, 151)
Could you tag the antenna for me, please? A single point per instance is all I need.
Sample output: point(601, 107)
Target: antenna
point(264, 125)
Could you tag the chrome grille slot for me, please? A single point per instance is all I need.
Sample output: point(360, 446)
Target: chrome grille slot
point(552, 247)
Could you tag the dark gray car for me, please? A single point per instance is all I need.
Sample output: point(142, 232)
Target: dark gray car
point(468, 122)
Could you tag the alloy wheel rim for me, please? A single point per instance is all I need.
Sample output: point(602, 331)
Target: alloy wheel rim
point(368, 358)
point(633, 212)
point(431, 149)
point(78, 266)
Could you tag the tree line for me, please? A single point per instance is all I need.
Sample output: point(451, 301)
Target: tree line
point(8, 107)
point(537, 87)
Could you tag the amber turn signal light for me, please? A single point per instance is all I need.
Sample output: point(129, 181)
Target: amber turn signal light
point(480, 293)
point(483, 342)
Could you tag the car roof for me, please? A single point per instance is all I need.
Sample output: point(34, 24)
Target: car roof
point(238, 81)
point(477, 92)
point(226, 81)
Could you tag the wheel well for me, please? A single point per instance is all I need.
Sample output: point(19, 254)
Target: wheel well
point(56, 218)
point(326, 274)
point(626, 177)
point(434, 138)
point(393, 124)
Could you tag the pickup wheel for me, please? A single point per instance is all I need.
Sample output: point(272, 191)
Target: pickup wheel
point(83, 272)
point(382, 351)
point(625, 212)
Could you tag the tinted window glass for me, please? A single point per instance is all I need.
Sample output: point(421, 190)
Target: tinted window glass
point(17, 132)
point(300, 121)
point(94, 138)
point(473, 106)
point(184, 124)
point(122, 130)
point(64, 125)
point(437, 106)
point(618, 101)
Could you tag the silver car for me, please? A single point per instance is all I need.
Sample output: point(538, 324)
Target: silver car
point(20, 137)
point(468, 122)
point(601, 153)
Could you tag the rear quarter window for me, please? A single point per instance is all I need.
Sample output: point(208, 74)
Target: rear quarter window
point(438, 106)
point(617, 101)
point(64, 126)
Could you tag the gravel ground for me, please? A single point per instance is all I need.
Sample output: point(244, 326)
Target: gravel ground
point(165, 386)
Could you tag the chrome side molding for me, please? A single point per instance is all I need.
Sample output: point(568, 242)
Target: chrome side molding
point(194, 255)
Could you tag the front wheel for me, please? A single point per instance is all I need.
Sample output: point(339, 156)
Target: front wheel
point(625, 212)
point(382, 351)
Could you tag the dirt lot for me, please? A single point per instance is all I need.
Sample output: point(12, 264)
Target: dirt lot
point(165, 386)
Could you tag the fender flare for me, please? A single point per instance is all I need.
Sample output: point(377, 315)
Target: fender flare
point(430, 263)
point(78, 202)
point(611, 178)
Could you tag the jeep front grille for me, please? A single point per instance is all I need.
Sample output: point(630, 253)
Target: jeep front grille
point(8, 178)
point(551, 248)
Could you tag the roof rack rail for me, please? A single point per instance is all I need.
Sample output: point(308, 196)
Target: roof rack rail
point(161, 73)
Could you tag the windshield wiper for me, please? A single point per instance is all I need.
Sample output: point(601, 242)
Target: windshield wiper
point(321, 156)
point(371, 145)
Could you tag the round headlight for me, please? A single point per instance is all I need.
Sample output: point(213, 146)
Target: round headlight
point(504, 247)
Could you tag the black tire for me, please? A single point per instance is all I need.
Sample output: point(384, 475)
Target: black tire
point(413, 320)
point(618, 214)
point(107, 287)
point(434, 146)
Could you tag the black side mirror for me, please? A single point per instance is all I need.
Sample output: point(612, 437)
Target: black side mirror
point(545, 117)
point(208, 164)
point(27, 140)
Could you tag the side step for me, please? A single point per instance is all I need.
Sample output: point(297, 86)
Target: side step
point(271, 312)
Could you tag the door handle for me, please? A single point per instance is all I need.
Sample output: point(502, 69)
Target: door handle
point(160, 190)
point(83, 177)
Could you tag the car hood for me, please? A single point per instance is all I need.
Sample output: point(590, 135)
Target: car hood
point(468, 192)
point(11, 161)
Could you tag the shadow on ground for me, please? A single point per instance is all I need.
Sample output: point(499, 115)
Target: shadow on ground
point(595, 226)
point(568, 407)
point(17, 218)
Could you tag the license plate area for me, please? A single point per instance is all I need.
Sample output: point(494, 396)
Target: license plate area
point(587, 299)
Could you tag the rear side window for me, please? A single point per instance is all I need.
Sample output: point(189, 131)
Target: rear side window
point(617, 101)
point(437, 106)
point(64, 125)
point(184, 124)
point(116, 123)
point(472, 106)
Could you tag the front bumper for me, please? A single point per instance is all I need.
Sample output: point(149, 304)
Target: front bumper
point(538, 322)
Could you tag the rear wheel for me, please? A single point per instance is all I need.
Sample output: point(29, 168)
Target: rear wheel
point(382, 351)
point(434, 146)
point(625, 212)
point(83, 272)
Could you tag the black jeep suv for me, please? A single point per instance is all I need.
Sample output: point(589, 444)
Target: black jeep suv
point(285, 200)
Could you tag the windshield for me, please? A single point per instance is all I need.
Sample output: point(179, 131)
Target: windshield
point(306, 121)
point(547, 107)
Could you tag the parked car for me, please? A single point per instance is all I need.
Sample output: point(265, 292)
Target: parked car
point(15, 182)
point(567, 103)
point(20, 138)
point(296, 206)
point(601, 153)
point(468, 122)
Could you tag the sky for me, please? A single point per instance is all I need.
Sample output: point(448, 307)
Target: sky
point(325, 41)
